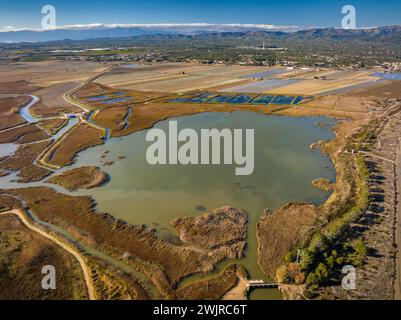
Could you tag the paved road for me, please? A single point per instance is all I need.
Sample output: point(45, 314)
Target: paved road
point(75, 253)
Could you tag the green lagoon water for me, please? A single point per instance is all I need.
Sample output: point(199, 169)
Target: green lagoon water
point(154, 195)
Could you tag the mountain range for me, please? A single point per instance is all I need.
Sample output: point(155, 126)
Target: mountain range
point(86, 32)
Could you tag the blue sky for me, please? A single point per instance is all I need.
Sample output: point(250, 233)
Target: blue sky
point(320, 13)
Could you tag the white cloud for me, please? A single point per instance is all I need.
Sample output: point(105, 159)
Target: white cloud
point(170, 26)
point(9, 28)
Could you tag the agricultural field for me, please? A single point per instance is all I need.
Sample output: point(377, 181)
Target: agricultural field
point(180, 77)
point(184, 78)
point(49, 81)
point(48, 73)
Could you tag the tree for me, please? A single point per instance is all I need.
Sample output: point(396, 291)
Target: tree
point(322, 273)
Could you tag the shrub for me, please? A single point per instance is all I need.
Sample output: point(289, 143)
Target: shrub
point(311, 281)
point(297, 276)
point(282, 275)
point(360, 252)
point(322, 273)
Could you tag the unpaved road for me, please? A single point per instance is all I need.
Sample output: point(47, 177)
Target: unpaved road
point(397, 284)
point(76, 254)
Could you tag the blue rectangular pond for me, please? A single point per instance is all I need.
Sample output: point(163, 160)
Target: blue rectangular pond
point(116, 100)
point(387, 75)
point(282, 100)
point(98, 98)
point(220, 99)
point(240, 99)
point(262, 100)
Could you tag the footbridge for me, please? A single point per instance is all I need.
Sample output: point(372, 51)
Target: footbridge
point(260, 284)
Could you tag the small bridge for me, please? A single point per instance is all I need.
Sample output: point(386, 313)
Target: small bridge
point(261, 284)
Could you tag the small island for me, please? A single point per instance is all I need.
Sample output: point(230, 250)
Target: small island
point(80, 178)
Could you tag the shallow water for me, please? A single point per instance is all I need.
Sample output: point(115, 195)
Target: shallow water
point(154, 195)
point(25, 112)
point(7, 149)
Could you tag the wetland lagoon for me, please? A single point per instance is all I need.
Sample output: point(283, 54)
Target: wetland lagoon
point(285, 167)
point(154, 195)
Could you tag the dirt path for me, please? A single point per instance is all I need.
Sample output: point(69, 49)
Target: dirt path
point(76, 254)
point(238, 292)
point(379, 226)
point(397, 280)
point(372, 155)
point(68, 96)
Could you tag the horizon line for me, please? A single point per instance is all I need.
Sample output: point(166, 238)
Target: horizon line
point(89, 26)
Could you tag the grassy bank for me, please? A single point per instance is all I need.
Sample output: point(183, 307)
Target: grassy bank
point(333, 242)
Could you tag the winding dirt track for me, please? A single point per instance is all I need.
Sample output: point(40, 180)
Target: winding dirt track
point(75, 253)
point(24, 220)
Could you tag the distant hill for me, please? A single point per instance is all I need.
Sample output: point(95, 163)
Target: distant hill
point(125, 31)
point(223, 43)
point(83, 33)
point(342, 34)
point(73, 34)
point(201, 30)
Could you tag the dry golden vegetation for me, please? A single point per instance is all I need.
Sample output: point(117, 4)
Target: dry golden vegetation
point(386, 89)
point(83, 177)
point(22, 160)
point(16, 87)
point(23, 254)
point(111, 118)
point(279, 231)
point(212, 288)
point(323, 184)
point(52, 126)
point(226, 227)
point(52, 102)
point(112, 283)
point(9, 111)
point(32, 173)
point(49, 80)
point(164, 263)
point(31, 76)
point(133, 96)
point(93, 89)
point(77, 139)
point(8, 203)
point(24, 156)
point(23, 134)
